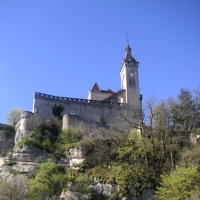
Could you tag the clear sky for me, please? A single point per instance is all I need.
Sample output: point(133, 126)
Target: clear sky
point(62, 47)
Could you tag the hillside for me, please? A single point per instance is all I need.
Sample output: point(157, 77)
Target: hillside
point(155, 158)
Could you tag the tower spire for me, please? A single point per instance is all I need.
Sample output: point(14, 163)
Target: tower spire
point(128, 56)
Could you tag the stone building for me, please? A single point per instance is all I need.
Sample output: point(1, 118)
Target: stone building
point(102, 105)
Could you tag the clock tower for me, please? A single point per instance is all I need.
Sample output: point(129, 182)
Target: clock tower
point(130, 79)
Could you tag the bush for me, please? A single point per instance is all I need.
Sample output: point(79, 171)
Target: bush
point(15, 189)
point(9, 162)
point(15, 172)
point(30, 142)
point(98, 151)
point(179, 184)
point(67, 139)
point(43, 137)
point(70, 135)
point(48, 183)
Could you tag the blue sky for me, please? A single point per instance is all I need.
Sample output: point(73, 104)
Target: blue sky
point(62, 47)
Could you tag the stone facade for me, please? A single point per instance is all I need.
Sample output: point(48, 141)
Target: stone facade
point(89, 109)
point(87, 126)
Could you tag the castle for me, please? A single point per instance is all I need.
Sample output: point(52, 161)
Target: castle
point(104, 106)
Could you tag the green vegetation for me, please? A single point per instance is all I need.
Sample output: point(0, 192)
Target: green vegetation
point(102, 120)
point(14, 116)
point(15, 172)
point(50, 138)
point(15, 189)
point(8, 132)
point(9, 162)
point(179, 184)
point(48, 183)
point(68, 139)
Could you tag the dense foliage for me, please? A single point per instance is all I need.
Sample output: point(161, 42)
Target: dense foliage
point(48, 183)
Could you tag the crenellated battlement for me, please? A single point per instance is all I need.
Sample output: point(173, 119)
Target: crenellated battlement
point(89, 109)
point(57, 99)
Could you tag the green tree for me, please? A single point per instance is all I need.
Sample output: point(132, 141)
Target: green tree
point(179, 184)
point(121, 166)
point(13, 116)
point(48, 183)
point(189, 111)
point(98, 151)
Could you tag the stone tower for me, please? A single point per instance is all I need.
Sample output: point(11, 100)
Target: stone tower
point(130, 79)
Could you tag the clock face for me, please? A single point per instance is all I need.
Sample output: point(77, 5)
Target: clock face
point(132, 74)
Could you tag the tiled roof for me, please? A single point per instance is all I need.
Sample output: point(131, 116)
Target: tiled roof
point(114, 95)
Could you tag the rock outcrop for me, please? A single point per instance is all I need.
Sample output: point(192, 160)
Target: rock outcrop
point(27, 122)
point(26, 154)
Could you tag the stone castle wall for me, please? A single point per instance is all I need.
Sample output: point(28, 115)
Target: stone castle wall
point(88, 126)
point(89, 109)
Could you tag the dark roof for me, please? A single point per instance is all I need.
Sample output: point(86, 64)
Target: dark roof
point(107, 91)
point(95, 88)
point(128, 56)
point(114, 95)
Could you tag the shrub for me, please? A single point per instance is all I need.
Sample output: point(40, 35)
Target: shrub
point(98, 151)
point(48, 183)
point(179, 184)
point(15, 172)
point(9, 162)
point(68, 138)
point(70, 135)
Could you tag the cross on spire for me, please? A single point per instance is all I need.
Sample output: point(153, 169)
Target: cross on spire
point(127, 38)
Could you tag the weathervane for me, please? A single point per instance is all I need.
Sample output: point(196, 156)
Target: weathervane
point(127, 38)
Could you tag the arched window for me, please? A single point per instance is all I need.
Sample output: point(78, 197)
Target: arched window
point(131, 78)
